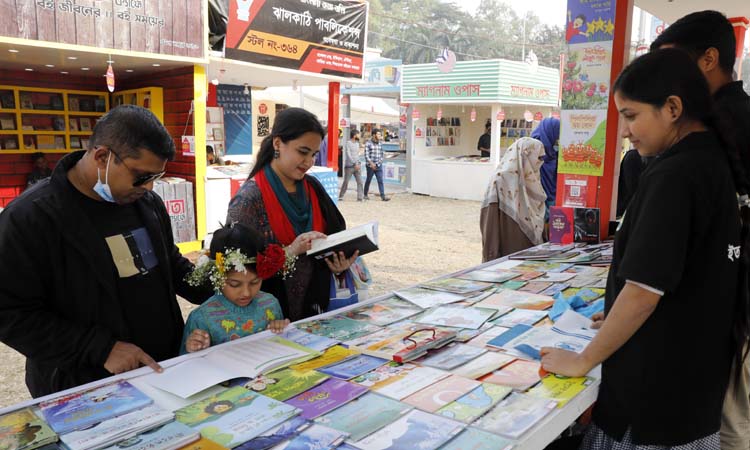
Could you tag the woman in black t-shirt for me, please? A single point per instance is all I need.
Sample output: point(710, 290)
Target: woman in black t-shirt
point(673, 293)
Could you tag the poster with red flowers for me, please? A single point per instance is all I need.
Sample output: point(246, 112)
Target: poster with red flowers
point(586, 76)
point(582, 142)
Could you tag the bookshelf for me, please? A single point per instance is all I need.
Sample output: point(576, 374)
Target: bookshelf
point(215, 130)
point(445, 132)
point(151, 98)
point(47, 120)
point(513, 129)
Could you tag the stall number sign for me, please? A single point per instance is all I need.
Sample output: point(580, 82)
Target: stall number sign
point(176, 209)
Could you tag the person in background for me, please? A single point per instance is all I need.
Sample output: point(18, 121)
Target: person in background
point(352, 166)
point(374, 160)
point(236, 265)
point(512, 214)
point(40, 171)
point(90, 265)
point(681, 229)
point(631, 167)
point(291, 209)
point(485, 140)
point(321, 158)
point(548, 132)
point(708, 37)
point(210, 156)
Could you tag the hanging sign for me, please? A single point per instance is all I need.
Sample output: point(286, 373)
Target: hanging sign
point(473, 115)
point(188, 146)
point(528, 116)
point(500, 115)
point(110, 79)
point(416, 114)
point(439, 113)
point(538, 116)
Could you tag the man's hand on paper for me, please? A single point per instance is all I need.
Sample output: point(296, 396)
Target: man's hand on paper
point(277, 326)
point(338, 263)
point(198, 340)
point(303, 242)
point(564, 362)
point(125, 356)
point(597, 319)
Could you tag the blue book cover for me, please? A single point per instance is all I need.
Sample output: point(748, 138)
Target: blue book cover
point(475, 439)
point(171, 435)
point(317, 437)
point(283, 432)
point(364, 415)
point(83, 409)
point(509, 335)
point(309, 340)
point(415, 430)
point(353, 367)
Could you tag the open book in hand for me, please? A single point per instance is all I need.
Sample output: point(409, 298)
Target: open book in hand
point(363, 238)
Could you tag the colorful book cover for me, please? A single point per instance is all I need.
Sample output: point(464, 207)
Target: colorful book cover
point(317, 437)
point(203, 444)
point(171, 435)
point(277, 435)
point(583, 281)
point(514, 416)
point(586, 225)
point(456, 316)
point(112, 430)
point(560, 225)
point(529, 275)
point(469, 407)
point(364, 416)
point(427, 298)
point(384, 312)
point(235, 416)
point(535, 287)
point(559, 388)
point(588, 295)
point(555, 289)
point(484, 364)
point(286, 383)
point(475, 439)
point(457, 285)
point(482, 339)
point(325, 397)
point(83, 409)
point(24, 430)
point(450, 356)
point(353, 367)
point(309, 340)
point(530, 340)
point(403, 342)
point(436, 396)
point(330, 356)
point(513, 285)
point(415, 430)
point(520, 317)
point(556, 277)
point(588, 271)
point(398, 381)
point(338, 327)
point(467, 334)
point(543, 267)
point(490, 276)
point(517, 299)
point(520, 374)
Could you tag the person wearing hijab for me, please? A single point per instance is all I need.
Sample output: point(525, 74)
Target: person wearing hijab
point(548, 132)
point(512, 215)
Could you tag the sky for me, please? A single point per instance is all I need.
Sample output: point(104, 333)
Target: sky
point(551, 12)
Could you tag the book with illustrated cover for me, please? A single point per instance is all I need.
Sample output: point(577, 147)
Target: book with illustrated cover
point(170, 436)
point(519, 317)
point(326, 397)
point(73, 104)
point(83, 409)
point(587, 294)
point(584, 281)
point(466, 334)
point(277, 435)
point(7, 123)
point(436, 396)
point(330, 356)
point(469, 407)
point(399, 381)
point(544, 266)
point(364, 415)
point(415, 430)
point(352, 367)
point(586, 225)
point(73, 124)
point(286, 383)
point(535, 286)
point(450, 356)
point(309, 340)
point(85, 123)
point(24, 430)
point(556, 277)
point(475, 439)
point(482, 365)
point(555, 289)
point(520, 374)
point(403, 342)
point(317, 437)
point(384, 312)
point(559, 388)
point(456, 285)
point(588, 271)
point(490, 276)
point(363, 238)
point(235, 416)
point(560, 225)
point(518, 300)
point(515, 415)
point(203, 444)
point(337, 327)
point(513, 285)
point(426, 298)
point(482, 339)
point(530, 275)
point(456, 316)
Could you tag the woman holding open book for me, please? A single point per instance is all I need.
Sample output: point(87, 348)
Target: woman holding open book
point(676, 309)
point(292, 209)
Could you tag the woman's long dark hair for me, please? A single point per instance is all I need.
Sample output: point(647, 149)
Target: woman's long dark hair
point(653, 78)
point(289, 124)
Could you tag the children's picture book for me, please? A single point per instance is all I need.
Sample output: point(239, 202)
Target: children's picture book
point(426, 298)
point(530, 275)
point(513, 285)
point(309, 340)
point(517, 299)
point(170, 436)
point(556, 277)
point(559, 388)
point(555, 289)
point(450, 356)
point(456, 316)
point(398, 381)
point(338, 327)
point(353, 367)
point(384, 312)
point(545, 266)
point(363, 238)
point(518, 317)
point(415, 430)
point(482, 339)
point(472, 405)
point(490, 276)
point(586, 294)
point(286, 383)
point(520, 374)
point(330, 356)
point(235, 416)
point(317, 437)
point(436, 396)
point(456, 285)
point(326, 397)
point(365, 415)
point(515, 415)
point(535, 286)
point(203, 444)
point(466, 334)
point(277, 435)
point(482, 365)
point(114, 430)
point(403, 342)
point(83, 409)
point(475, 439)
point(24, 430)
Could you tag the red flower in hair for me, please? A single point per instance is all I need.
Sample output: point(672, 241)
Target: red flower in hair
point(270, 262)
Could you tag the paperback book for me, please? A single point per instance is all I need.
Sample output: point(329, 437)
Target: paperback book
point(384, 312)
point(353, 367)
point(513, 285)
point(535, 286)
point(364, 415)
point(457, 285)
point(518, 300)
point(482, 365)
point(559, 388)
point(325, 397)
point(415, 430)
point(203, 444)
point(482, 339)
point(317, 437)
point(330, 356)
point(363, 238)
point(475, 439)
point(286, 383)
point(520, 374)
point(170, 436)
point(451, 356)
point(489, 276)
point(436, 396)
point(456, 316)
point(309, 340)
point(515, 415)
point(543, 266)
point(471, 406)
point(427, 298)
point(339, 328)
point(398, 381)
point(404, 342)
point(24, 430)
point(277, 435)
point(519, 317)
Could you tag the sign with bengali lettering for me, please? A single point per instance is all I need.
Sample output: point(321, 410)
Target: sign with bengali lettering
point(169, 27)
point(318, 36)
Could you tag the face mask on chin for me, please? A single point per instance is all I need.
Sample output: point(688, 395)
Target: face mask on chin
point(102, 189)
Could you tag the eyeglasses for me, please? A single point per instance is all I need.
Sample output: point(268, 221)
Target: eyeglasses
point(139, 180)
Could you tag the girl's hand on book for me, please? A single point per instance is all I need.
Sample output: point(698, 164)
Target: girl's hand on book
point(277, 326)
point(198, 340)
point(564, 362)
point(338, 263)
point(303, 242)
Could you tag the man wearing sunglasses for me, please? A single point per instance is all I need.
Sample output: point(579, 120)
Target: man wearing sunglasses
point(89, 260)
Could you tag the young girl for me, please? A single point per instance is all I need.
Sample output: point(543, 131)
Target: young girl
point(237, 265)
point(672, 325)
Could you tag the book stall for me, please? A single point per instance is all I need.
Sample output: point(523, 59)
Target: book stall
point(449, 108)
point(452, 363)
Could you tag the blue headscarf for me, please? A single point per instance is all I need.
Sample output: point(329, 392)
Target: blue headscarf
point(548, 132)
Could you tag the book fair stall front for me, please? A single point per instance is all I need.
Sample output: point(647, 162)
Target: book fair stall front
point(449, 107)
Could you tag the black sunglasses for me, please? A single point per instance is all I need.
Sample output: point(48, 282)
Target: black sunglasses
point(139, 180)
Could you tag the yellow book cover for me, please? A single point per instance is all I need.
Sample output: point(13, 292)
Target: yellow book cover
point(330, 356)
point(203, 444)
point(24, 430)
point(559, 388)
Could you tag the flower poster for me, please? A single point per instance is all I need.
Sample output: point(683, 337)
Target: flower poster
point(582, 142)
point(586, 76)
point(590, 21)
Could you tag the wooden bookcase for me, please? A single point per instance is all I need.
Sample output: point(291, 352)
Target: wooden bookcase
point(151, 98)
point(215, 130)
point(48, 120)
